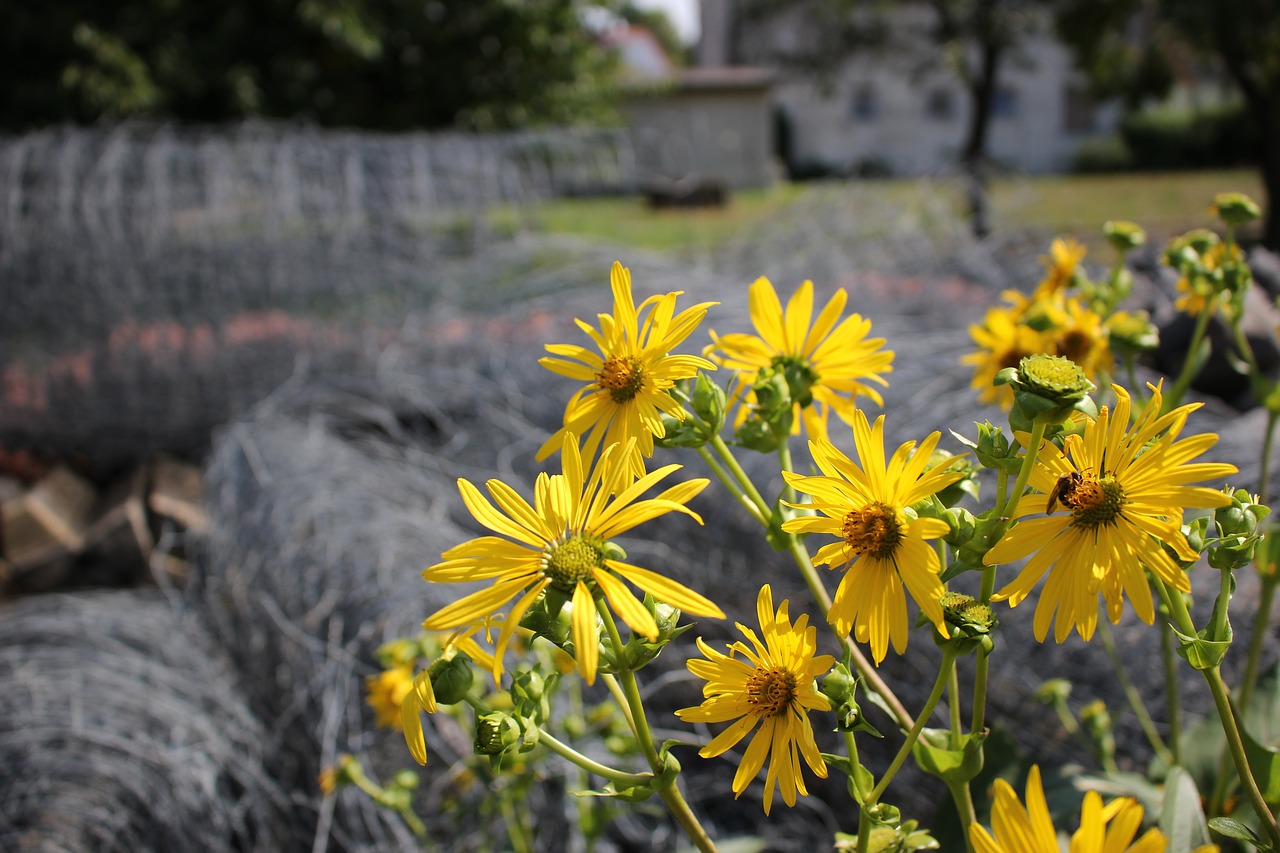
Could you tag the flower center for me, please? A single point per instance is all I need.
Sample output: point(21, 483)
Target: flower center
point(571, 561)
point(1095, 502)
point(799, 375)
point(1075, 345)
point(770, 691)
point(622, 376)
point(873, 530)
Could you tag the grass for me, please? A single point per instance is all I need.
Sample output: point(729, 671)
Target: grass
point(1163, 203)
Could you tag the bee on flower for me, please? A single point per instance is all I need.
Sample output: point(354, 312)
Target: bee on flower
point(1099, 537)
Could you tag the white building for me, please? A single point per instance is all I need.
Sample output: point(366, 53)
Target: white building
point(903, 111)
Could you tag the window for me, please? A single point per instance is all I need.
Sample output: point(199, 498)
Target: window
point(1078, 115)
point(1004, 103)
point(864, 106)
point(939, 105)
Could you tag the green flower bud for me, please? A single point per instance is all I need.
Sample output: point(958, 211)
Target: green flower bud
point(709, 402)
point(451, 678)
point(1046, 388)
point(1053, 691)
point(1123, 235)
point(993, 448)
point(1235, 208)
point(1198, 240)
point(1237, 526)
point(528, 686)
point(679, 433)
point(405, 780)
point(496, 733)
point(1132, 332)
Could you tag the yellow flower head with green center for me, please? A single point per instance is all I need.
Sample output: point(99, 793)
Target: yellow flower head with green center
point(1109, 828)
point(561, 539)
point(1106, 508)
point(769, 684)
point(880, 541)
point(627, 381)
point(385, 693)
point(1003, 342)
point(1061, 265)
point(833, 357)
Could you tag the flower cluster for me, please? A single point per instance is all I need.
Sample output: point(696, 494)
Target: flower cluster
point(1097, 502)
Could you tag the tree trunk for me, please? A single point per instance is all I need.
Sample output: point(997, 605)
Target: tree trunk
point(1268, 117)
point(973, 156)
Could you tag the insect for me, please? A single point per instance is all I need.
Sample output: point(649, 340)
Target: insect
point(1063, 490)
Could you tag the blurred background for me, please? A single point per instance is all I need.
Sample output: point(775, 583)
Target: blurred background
point(275, 273)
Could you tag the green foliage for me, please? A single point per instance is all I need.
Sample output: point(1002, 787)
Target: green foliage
point(387, 64)
point(1165, 139)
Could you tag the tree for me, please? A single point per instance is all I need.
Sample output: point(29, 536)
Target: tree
point(390, 64)
point(1124, 44)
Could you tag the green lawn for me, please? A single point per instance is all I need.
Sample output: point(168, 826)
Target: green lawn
point(1163, 203)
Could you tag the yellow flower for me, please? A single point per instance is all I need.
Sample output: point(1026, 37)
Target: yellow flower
point(832, 358)
point(1123, 494)
point(880, 539)
point(1081, 336)
point(563, 539)
point(1061, 264)
point(1004, 342)
point(771, 685)
point(1103, 829)
point(385, 692)
point(419, 698)
point(626, 387)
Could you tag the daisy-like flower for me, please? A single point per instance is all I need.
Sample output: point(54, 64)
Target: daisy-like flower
point(1082, 337)
point(833, 358)
point(771, 686)
point(1061, 265)
point(385, 692)
point(1109, 828)
point(880, 541)
point(1106, 508)
point(1003, 342)
point(627, 381)
point(563, 540)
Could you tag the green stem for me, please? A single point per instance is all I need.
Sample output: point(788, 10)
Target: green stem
point(615, 690)
point(517, 832)
point(980, 678)
point(944, 675)
point(670, 793)
point(864, 829)
point(619, 778)
point(1230, 725)
point(732, 485)
point(748, 487)
point(784, 463)
point(1131, 694)
point(1264, 474)
point(1173, 707)
point(584, 804)
point(1174, 398)
point(1261, 623)
point(1235, 744)
point(378, 794)
point(953, 707)
point(851, 746)
point(868, 672)
point(1006, 508)
point(964, 808)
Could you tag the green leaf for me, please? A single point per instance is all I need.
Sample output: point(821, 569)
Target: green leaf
point(1201, 653)
point(1264, 763)
point(1232, 828)
point(933, 752)
point(1181, 818)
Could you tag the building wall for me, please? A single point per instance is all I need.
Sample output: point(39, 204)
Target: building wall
point(724, 135)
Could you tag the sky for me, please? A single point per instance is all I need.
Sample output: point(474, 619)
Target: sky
point(683, 14)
